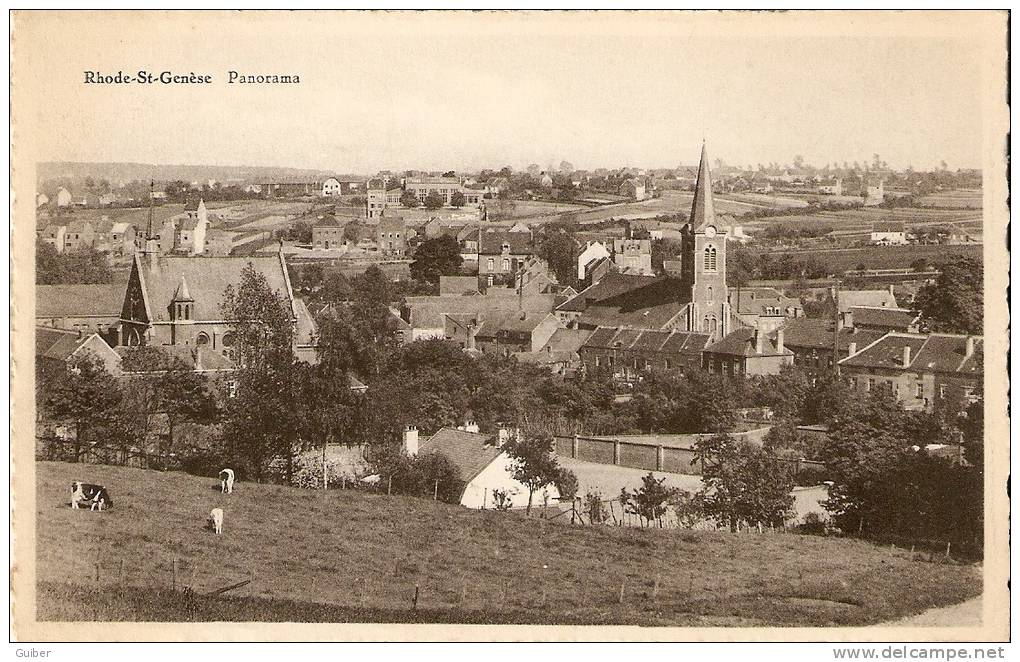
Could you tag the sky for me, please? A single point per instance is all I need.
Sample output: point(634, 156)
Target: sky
point(399, 91)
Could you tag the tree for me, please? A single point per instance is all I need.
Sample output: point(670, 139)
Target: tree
point(560, 251)
point(434, 201)
point(87, 398)
point(409, 200)
point(954, 303)
point(263, 420)
point(82, 266)
point(649, 501)
point(436, 257)
point(171, 390)
point(743, 483)
point(457, 199)
point(534, 464)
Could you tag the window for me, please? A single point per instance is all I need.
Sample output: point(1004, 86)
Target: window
point(506, 265)
point(202, 339)
point(871, 383)
point(490, 263)
point(187, 312)
point(669, 364)
point(942, 390)
point(710, 258)
point(598, 361)
point(920, 390)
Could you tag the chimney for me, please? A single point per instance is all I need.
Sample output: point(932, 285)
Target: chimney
point(411, 440)
point(969, 352)
point(759, 342)
point(906, 355)
point(469, 423)
point(779, 341)
point(852, 349)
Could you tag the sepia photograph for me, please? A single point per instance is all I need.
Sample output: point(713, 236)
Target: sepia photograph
point(510, 326)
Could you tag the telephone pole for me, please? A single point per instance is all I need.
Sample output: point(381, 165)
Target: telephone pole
point(836, 323)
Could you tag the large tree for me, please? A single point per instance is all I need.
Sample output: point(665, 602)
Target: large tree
point(87, 398)
point(436, 257)
point(409, 199)
point(82, 266)
point(954, 303)
point(457, 199)
point(560, 251)
point(434, 201)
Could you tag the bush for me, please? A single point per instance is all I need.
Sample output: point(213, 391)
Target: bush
point(501, 499)
point(566, 483)
point(594, 508)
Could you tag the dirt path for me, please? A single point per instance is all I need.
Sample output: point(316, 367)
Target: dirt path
point(963, 614)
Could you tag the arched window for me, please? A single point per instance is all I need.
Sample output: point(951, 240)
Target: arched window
point(710, 258)
point(506, 265)
point(202, 339)
point(187, 311)
point(228, 339)
point(711, 295)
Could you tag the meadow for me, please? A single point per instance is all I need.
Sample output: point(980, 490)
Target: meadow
point(343, 556)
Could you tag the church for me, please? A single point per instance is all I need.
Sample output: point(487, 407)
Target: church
point(696, 301)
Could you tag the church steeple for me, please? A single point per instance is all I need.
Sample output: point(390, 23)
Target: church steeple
point(702, 209)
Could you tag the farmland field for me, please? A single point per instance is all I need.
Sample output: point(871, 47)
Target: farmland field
point(970, 199)
point(882, 257)
point(350, 556)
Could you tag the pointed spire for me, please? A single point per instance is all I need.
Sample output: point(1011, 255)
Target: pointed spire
point(182, 293)
point(703, 209)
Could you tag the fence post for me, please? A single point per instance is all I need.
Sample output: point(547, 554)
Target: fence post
point(389, 485)
point(435, 491)
point(414, 602)
point(948, 545)
point(623, 587)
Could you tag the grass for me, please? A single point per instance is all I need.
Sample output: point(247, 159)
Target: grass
point(352, 556)
point(884, 257)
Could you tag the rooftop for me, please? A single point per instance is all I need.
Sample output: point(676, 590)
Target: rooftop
point(470, 452)
point(80, 300)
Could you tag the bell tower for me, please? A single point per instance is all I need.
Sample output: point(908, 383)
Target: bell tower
point(703, 261)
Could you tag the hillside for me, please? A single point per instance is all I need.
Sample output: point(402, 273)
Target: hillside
point(347, 555)
point(116, 172)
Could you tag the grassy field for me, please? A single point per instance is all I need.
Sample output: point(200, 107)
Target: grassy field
point(883, 257)
point(351, 556)
point(970, 199)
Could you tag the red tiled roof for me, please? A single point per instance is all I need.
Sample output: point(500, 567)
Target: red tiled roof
point(816, 333)
point(741, 343)
point(887, 352)
point(892, 318)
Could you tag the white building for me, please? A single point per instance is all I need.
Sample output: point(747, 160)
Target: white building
point(889, 233)
point(331, 187)
point(63, 198)
point(594, 251)
point(484, 466)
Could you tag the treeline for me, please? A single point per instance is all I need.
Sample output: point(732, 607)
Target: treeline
point(83, 266)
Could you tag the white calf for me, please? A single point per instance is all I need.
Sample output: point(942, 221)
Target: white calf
point(227, 481)
point(216, 520)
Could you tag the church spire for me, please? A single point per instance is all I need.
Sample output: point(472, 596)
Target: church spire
point(182, 293)
point(703, 210)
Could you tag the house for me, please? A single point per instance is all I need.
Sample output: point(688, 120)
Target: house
point(57, 349)
point(592, 253)
point(873, 192)
point(83, 309)
point(811, 340)
point(923, 372)
point(123, 239)
point(375, 197)
point(444, 187)
point(41, 200)
point(561, 354)
point(289, 189)
point(882, 319)
point(79, 234)
point(633, 189)
point(747, 352)
point(633, 256)
point(53, 235)
point(628, 354)
point(889, 233)
point(883, 298)
point(764, 308)
point(192, 228)
point(391, 236)
point(501, 255)
point(482, 465)
point(328, 234)
point(427, 315)
point(63, 197)
point(832, 186)
point(545, 181)
point(502, 333)
point(331, 187)
point(176, 300)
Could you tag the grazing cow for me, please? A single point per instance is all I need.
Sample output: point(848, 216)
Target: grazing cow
point(216, 520)
point(227, 481)
point(96, 495)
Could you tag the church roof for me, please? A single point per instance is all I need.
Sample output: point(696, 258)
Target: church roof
point(207, 279)
point(703, 209)
point(79, 300)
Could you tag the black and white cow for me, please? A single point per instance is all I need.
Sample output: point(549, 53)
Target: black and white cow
point(96, 495)
point(227, 481)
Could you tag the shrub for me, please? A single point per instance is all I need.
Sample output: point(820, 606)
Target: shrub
point(501, 499)
point(594, 508)
point(566, 483)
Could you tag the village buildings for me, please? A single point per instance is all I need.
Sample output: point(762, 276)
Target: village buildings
point(83, 309)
